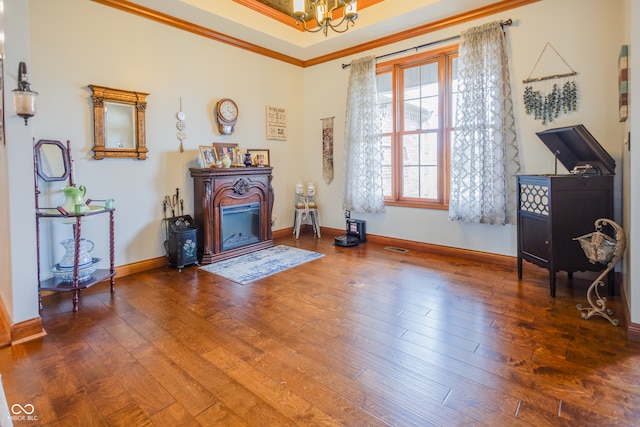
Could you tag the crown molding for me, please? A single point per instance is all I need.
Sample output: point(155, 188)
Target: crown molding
point(181, 24)
point(489, 10)
point(154, 15)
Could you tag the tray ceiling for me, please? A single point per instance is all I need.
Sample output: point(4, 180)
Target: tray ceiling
point(267, 24)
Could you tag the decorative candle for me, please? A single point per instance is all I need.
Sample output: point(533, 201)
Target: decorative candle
point(298, 6)
point(320, 11)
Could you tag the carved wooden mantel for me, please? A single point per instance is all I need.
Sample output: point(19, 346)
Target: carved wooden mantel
point(217, 187)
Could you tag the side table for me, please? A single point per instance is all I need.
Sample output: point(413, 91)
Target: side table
point(300, 215)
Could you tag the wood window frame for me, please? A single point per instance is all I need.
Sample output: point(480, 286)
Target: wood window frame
point(444, 56)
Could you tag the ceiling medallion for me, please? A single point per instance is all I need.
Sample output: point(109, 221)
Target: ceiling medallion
point(323, 14)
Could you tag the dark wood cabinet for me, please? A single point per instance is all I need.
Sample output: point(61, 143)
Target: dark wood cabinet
point(218, 188)
point(552, 211)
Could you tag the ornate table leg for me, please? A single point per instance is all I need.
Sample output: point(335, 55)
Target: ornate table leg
point(76, 299)
point(112, 269)
point(598, 307)
point(601, 248)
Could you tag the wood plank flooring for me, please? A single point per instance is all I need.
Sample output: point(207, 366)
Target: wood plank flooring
point(361, 337)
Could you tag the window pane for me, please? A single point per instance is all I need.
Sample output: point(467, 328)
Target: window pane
point(385, 99)
point(429, 182)
point(429, 74)
point(411, 181)
point(421, 97)
point(454, 90)
point(410, 165)
point(411, 150)
point(430, 113)
point(386, 166)
point(429, 149)
point(420, 166)
point(411, 78)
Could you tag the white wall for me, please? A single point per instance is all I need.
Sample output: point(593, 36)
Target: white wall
point(569, 27)
point(5, 250)
point(19, 279)
point(632, 194)
point(94, 44)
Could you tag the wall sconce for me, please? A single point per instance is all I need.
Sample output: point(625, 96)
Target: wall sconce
point(24, 99)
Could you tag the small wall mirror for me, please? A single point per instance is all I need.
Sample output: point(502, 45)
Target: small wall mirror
point(52, 160)
point(119, 123)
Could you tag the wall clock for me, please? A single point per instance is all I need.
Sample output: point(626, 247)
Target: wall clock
point(226, 115)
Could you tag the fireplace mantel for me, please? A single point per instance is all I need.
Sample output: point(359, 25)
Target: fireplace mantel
point(215, 188)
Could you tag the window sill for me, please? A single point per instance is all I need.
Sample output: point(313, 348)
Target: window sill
point(418, 205)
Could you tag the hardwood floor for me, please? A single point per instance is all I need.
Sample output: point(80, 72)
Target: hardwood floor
point(361, 337)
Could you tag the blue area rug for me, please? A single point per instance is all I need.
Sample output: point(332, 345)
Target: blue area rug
point(247, 268)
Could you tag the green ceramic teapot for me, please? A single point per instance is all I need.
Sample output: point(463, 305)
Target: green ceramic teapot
point(74, 196)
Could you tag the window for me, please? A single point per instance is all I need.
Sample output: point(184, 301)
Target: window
point(416, 96)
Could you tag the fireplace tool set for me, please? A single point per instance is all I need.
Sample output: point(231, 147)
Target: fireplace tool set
point(173, 203)
point(599, 247)
point(181, 233)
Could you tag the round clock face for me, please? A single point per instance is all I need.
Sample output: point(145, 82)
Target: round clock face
point(227, 110)
point(181, 116)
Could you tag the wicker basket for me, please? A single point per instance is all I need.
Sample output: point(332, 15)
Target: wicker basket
point(597, 246)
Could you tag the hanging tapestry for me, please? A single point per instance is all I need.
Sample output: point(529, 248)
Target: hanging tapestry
point(547, 105)
point(327, 150)
point(623, 83)
point(548, 96)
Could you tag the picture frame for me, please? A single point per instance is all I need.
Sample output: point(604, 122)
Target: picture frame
point(276, 123)
point(230, 149)
point(255, 159)
point(208, 156)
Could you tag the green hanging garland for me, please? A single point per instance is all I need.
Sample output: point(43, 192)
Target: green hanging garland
point(548, 107)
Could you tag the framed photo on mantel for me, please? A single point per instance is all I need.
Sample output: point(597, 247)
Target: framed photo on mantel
point(208, 156)
point(231, 150)
point(259, 157)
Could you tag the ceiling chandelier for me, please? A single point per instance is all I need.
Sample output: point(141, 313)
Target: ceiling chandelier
point(323, 14)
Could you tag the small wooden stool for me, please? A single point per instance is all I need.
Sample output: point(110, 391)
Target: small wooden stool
point(300, 215)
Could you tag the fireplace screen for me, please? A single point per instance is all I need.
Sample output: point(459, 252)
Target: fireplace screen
point(240, 225)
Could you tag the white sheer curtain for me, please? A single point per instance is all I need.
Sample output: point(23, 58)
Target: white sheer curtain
point(484, 150)
point(363, 142)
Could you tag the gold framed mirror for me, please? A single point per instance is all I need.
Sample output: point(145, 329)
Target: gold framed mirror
point(118, 123)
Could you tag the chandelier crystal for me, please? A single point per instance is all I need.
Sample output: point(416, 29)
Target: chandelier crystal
point(323, 14)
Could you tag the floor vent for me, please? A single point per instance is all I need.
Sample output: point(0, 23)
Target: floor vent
point(394, 249)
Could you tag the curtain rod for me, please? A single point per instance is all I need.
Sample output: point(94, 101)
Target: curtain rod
point(503, 23)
